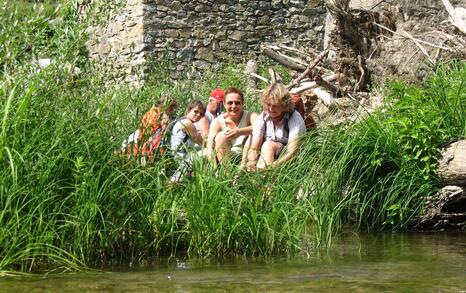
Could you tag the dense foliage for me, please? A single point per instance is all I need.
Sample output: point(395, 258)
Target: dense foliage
point(66, 201)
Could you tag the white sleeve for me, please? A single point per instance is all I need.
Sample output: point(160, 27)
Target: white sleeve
point(258, 128)
point(296, 126)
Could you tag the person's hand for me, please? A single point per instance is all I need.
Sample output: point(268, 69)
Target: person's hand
point(232, 133)
point(251, 166)
point(208, 154)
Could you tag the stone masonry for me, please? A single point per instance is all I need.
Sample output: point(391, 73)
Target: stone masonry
point(198, 35)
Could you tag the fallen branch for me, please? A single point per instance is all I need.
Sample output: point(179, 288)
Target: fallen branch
point(423, 50)
point(457, 15)
point(312, 84)
point(294, 50)
point(411, 37)
point(259, 77)
point(283, 61)
point(362, 78)
point(326, 84)
point(251, 68)
point(308, 69)
point(324, 96)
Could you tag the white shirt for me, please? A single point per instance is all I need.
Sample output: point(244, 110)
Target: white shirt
point(264, 127)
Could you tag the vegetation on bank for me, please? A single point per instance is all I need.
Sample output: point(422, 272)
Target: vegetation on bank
point(66, 202)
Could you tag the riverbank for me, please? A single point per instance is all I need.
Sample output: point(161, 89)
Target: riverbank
point(68, 203)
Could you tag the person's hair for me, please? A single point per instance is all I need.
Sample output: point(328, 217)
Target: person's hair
point(233, 90)
point(277, 93)
point(194, 104)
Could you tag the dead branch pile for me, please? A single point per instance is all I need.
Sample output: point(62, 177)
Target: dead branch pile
point(365, 45)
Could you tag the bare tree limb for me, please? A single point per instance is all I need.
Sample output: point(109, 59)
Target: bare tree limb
point(275, 56)
point(319, 58)
point(260, 77)
point(326, 84)
point(312, 84)
point(362, 78)
point(411, 38)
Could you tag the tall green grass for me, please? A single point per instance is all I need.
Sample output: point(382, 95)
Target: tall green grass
point(66, 202)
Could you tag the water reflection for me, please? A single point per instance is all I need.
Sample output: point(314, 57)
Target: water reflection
point(387, 262)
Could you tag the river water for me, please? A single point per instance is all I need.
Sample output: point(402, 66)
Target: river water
point(413, 262)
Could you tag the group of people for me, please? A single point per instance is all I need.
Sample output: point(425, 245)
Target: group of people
point(223, 131)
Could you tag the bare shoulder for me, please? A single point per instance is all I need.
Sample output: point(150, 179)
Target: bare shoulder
point(253, 116)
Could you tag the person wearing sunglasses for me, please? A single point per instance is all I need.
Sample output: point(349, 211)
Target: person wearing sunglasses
point(185, 138)
point(229, 132)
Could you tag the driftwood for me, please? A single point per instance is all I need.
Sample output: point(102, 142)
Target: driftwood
point(251, 74)
point(304, 86)
point(357, 51)
point(444, 210)
point(283, 61)
point(457, 15)
point(452, 165)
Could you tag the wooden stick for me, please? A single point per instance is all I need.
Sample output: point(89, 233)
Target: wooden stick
point(423, 50)
point(291, 49)
point(319, 58)
point(312, 84)
point(362, 78)
point(275, 56)
point(292, 59)
point(324, 83)
point(420, 41)
point(259, 77)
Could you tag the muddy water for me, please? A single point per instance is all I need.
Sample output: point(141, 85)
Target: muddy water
point(373, 263)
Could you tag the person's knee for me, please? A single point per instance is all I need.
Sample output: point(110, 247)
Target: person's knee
point(220, 141)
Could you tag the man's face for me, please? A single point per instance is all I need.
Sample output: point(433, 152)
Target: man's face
point(274, 110)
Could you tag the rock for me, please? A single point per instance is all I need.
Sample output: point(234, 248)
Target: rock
point(452, 165)
point(444, 210)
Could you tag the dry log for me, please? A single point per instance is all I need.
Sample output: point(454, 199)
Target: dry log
point(283, 61)
point(274, 76)
point(260, 77)
point(312, 84)
point(326, 84)
point(444, 210)
point(457, 15)
point(324, 96)
point(452, 166)
point(251, 67)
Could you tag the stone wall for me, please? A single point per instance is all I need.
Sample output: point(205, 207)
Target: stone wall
point(119, 46)
point(197, 35)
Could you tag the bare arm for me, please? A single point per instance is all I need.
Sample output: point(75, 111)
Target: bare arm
point(203, 126)
point(291, 150)
point(253, 153)
point(234, 133)
point(215, 128)
point(193, 134)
